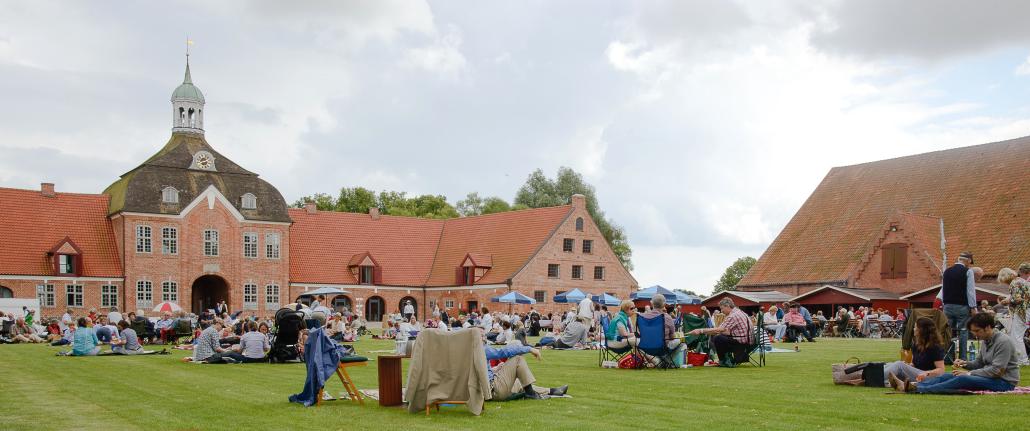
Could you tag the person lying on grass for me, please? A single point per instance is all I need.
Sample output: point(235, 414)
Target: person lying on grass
point(927, 355)
point(512, 378)
point(996, 369)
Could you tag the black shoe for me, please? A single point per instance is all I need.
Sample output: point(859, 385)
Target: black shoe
point(559, 391)
point(533, 395)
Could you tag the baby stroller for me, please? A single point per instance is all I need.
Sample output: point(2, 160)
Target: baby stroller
point(286, 337)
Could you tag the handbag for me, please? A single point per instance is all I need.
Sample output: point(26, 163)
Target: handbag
point(841, 377)
point(872, 373)
point(630, 361)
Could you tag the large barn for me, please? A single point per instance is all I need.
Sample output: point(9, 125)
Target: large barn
point(872, 232)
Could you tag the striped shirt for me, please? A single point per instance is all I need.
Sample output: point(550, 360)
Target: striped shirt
point(738, 325)
point(207, 344)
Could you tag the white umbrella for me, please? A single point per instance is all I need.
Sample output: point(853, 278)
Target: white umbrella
point(167, 306)
point(324, 291)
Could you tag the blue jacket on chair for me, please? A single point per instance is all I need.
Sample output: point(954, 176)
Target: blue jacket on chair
point(322, 358)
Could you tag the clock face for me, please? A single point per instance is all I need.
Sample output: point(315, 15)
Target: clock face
point(204, 161)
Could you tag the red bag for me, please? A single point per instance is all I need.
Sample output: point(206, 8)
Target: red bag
point(696, 359)
point(630, 361)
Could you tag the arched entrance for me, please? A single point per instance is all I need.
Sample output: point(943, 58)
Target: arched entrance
point(341, 302)
point(375, 307)
point(6, 293)
point(404, 301)
point(207, 291)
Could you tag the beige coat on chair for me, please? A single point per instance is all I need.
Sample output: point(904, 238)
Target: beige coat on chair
point(448, 366)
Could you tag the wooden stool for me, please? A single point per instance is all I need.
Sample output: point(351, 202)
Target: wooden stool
point(437, 405)
point(348, 384)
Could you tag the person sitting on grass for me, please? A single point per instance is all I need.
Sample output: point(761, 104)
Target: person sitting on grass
point(574, 334)
point(22, 333)
point(732, 336)
point(253, 347)
point(505, 335)
point(67, 338)
point(85, 342)
point(996, 369)
point(927, 355)
point(207, 347)
point(513, 378)
point(796, 325)
point(127, 342)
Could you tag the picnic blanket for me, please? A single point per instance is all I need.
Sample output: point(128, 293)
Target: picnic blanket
point(1019, 390)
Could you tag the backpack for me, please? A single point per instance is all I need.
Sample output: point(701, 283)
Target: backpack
point(631, 361)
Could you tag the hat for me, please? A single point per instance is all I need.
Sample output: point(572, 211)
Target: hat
point(1024, 267)
point(967, 255)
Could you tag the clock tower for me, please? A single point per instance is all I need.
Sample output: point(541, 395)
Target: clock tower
point(188, 106)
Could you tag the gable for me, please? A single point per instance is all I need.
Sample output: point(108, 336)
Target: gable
point(978, 191)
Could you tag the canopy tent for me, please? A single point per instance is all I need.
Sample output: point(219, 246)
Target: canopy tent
point(324, 291)
point(650, 292)
point(574, 295)
point(606, 299)
point(513, 298)
point(686, 299)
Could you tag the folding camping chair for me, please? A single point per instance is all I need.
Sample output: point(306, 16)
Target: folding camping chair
point(697, 343)
point(606, 353)
point(183, 329)
point(348, 383)
point(652, 343)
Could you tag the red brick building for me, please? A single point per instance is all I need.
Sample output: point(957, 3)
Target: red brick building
point(188, 225)
point(873, 231)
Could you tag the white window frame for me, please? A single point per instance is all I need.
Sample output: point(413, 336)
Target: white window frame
point(448, 303)
point(272, 296)
point(169, 291)
point(574, 268)
point(211, 242)
point(66, 264)
point(73, 295)
point(169, 195)
point(250, 296)
point(557, 272)
point(144, 294)
point(170, 240)
point(248, 201)
point(46, 294)
point(144, 236)
point(272, 245)
point(250, 248)
point(602, 273)
point(109, 295)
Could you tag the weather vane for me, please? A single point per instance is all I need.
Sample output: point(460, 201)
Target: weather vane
point(188, 43)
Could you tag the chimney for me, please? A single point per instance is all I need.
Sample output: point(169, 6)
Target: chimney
point(374, 213)
point(578, 201)
point(47, 190)
point(310, 207)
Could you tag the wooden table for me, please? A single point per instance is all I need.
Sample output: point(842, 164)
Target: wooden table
point(390, 380)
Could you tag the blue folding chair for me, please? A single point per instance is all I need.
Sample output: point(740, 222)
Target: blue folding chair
point(652, 343)
point(606, 353)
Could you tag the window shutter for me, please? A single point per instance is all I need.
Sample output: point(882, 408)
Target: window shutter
point(377, 275)
point(901, 261)
point(459, 276)
point(886, 260)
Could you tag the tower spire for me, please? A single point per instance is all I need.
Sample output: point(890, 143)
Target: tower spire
point(188, 79)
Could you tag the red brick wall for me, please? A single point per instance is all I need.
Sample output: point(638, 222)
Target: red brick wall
point(189, 264)
point(921, 272)
point(617, 281)
point(90, 294)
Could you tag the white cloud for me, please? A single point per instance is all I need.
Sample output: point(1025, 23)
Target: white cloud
point(1024, 67)
point(442, 56)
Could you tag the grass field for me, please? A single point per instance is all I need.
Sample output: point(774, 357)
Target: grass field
point(794, 391)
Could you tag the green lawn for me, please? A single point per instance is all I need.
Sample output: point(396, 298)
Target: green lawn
point(794, 391)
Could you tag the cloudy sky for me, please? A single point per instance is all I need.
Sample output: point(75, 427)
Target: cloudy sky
point(703, 124)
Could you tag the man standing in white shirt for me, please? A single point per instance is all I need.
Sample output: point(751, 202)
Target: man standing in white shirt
point(409, 310)
point(586, 312)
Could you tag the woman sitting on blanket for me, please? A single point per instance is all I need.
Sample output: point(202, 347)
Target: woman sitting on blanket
point(619, 333)
point(927, 355)
point(127, 342)
point(996, 369)
point(84, 340)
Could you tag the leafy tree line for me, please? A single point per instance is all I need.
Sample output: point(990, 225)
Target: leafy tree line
point(734, 273)
point(538, 191)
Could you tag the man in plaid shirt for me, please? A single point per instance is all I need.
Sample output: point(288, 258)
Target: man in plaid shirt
point(733, 335)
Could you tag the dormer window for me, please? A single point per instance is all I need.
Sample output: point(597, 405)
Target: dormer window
point(249, 201)
point(65, 264)
point(473, 267)
point(169, 195)
point(366, 274)
point(365, 269)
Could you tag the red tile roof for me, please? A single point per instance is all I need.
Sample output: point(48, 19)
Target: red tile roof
point(981, 192)
point(324, 243)
point(414, 251)
point(31, 225)
point(509, 238)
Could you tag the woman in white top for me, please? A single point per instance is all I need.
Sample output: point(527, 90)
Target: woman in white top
point(773, 324)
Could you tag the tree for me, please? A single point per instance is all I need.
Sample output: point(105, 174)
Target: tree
point(474, 205)
point(360, 199)
point(496, 205)
point(540, 191)
point(733, 274)
point(688, 292)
